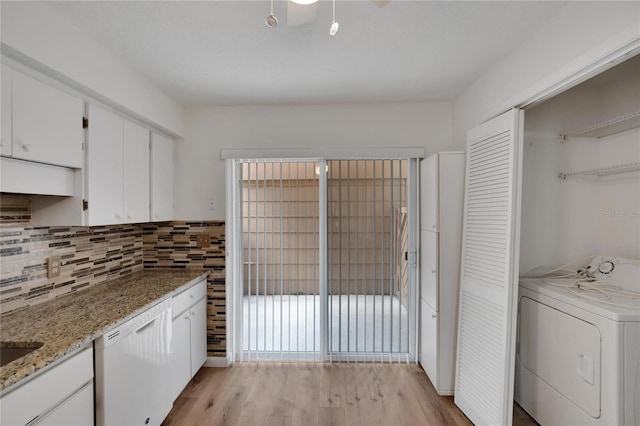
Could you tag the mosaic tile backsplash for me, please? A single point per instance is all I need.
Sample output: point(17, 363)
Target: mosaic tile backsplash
point(92, 255)
point(174, 245)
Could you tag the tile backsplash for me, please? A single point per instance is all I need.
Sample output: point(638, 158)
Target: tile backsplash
point(90, 255)
point(174, 245)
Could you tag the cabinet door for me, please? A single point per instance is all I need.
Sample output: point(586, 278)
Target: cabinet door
point(429, 341)
point(489, 270)
point(136, 173)
point(198, 335)
point(47, 123)
point(45, 391)
point(5, 93)
point(181, 357)
point(161, 178)
point(77, 410)
point(429, 193)
point(104, 167)
point(429, 269)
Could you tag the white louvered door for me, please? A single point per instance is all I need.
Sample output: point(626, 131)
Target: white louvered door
point(489, 271)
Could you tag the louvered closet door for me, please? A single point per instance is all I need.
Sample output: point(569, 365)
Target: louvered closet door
point(489, 271)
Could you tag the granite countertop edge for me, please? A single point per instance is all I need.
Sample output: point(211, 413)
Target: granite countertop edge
point(37, 362)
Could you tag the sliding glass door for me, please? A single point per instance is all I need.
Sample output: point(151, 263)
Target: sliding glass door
point(367, 243)
point(326, 255)
point(280, 252)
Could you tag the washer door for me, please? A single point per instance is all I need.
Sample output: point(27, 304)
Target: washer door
point(562, 350)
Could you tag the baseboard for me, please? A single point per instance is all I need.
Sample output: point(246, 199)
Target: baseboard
point(217, 361)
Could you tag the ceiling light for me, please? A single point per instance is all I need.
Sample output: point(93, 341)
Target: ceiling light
point(304, 2)
point(326, 169)
point(334, 25)
point(271, 20)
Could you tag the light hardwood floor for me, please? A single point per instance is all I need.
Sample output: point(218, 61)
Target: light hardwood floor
point(307, 394)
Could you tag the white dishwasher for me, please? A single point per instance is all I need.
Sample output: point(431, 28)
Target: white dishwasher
point(133, 370)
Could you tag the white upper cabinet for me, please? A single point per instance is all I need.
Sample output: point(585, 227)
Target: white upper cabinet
point(6, 124)
point(136, 173)
point(117, 169)
point(104, 167)
point(161, 178)
point(47, 122)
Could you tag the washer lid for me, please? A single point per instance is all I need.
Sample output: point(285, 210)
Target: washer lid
point(605, 309)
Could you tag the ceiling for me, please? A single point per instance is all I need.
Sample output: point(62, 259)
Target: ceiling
point(222, 53)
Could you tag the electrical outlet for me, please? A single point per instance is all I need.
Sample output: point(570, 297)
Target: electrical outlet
point(204, 240)
point(54, 263)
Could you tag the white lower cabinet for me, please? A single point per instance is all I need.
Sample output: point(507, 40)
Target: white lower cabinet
point(73, 411)
point(61, 395)
point(198, 335)
point(429, 334)
point(189, 335)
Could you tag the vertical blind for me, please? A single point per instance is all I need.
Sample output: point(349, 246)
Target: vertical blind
point(366, 243)
point(365, 306)
point(280, 256)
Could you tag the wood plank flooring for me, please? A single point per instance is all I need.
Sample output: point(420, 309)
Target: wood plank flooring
point(308, 394)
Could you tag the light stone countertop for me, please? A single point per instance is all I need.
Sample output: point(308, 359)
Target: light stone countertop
point(73, 321)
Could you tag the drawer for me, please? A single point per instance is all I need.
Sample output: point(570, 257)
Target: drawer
point(77, 410)
point(45, 391)
point(189, 297)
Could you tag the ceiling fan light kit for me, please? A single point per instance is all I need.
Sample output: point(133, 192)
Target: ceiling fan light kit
point(334, 25)
point(272, 21)
point(334, 28)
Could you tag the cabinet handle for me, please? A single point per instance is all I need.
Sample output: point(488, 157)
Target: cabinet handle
point(433, 226)
point(433, 271)
point(26, 147)
point(156, 215)
point(117, 216)
point(434, 315)
point(191, 296)
point(128, 216)
point(186, 316)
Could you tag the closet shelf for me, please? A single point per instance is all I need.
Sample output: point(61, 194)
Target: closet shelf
point(604, 171)
point(606, 128)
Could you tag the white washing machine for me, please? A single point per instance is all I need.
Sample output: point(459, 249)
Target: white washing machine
point(578, 361)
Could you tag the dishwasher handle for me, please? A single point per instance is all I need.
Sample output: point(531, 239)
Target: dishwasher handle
point(144, 326)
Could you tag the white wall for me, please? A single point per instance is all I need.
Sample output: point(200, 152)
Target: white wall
point(200, 174)
point(36, 31)
point(563, 221)
point(553, 50)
